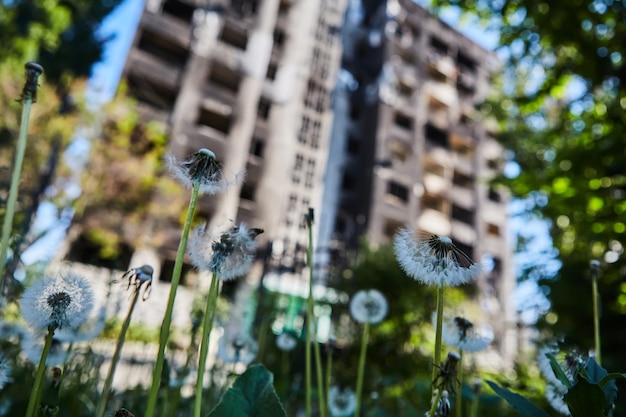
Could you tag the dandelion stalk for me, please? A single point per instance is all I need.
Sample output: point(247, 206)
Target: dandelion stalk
point(329, 367)
point(459, 390)
point(167, 319)
point(435, 403)
point(108, 382)
point(361, 370)
point(29, 96)
point(35, 393)
point(312, 328)
point(476, 398)
point(595, 269)
point(209, 315)
point(438, 328)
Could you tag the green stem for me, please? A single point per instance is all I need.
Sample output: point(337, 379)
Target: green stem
point(437, 357)
point(167, 319)
point(474, 407)
point(459, 390)
point(106, 390)
point(35, 393)
point(209, 314)
point(329, 367)
point(596, 317)
point(361, 370)
point(435, 404)
point(307, 365)
point(15, 181)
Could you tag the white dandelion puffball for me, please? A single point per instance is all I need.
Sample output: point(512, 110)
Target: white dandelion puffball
point(286, 341)
point(341, 402)
point(229, 255)
point(368, 306)
point(434, 260)
point(460, 333)
point(63, 302)
point(5, 371)
point(204, 169)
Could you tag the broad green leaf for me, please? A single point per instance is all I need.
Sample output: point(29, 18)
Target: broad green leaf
point(611, 377)
point(586, 399)
point(252, 395)
point(597, 374)
point(558, 371)
point(519, 403)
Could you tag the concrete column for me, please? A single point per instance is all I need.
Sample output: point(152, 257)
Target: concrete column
point(254, 65)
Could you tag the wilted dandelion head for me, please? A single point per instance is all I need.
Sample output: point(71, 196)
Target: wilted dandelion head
point(5, 371)
point(368, 306)
point(460, 333)
point(434, 260)
point(140, 278)
point(57, 303)
point(341, 402)
point(229, 256)
point(446, 375)
point(238, 349)
point(286, 341)
point(202, 168)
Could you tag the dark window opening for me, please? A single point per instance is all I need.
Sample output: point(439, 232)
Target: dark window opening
point(436, 136)
point(353, 145)
point(494, 195)
point(439, 46)
point(391, 227)
point(466, 64)
point(150, 93)
point(248, 192)
point(179, 9)
point(462, 214)
point(272, 69)
point(355, 112)
point(257, 147)
point(279, 37)
point(493, 229)
point(233, 36)
point(224, 77)
point(214, 120)
point(398, 191)
point(263, 109)
point(462, 180)
point(162, 48)
point(403, 121)
point(347, 182)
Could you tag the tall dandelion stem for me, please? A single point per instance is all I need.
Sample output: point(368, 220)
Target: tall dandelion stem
point(167, 319)
point(437, 357)
point(361, 370)
point(596, 310)
point(102, 402)
point(35, 393)
point(29, 96)
point(209, 314)
point(459, 390)
point(433, 407)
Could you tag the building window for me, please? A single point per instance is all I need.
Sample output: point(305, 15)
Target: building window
point(466, 64)
point(439, 46)
point(353, 145)
point(493, 229)
point(403, 121)
point(224, 77)
point(179, 10)
point(462, 214)
point(248, 192)
point(462, 180)
point(233, 35)
point(310, 173)
point(433, 202)
point(315, 135)
point(257, 147)
point(398, 191)
point(494, 195)
point(263, 109)
point(213, 120)
point(436, 136)
point(347, 182)
point(391, 228)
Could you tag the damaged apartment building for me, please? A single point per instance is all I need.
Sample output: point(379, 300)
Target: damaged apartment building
point(363, 110)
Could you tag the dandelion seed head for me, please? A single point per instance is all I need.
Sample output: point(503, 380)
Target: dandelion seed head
point(5, 371)
point(555, 395)
point(229, 256)
point(460, 333)
point(286, 341)
point(368, 306)
point(341, 402)
point(57, 303)
point(204, 169)
point(434, 260)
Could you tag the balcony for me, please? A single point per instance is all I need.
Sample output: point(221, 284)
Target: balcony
point(175, 30)
point(143, 65)
point(228, 55)
point(204, 137)
point(442, 65)
point(220, 98)
point(463, 232)
point(434, 221)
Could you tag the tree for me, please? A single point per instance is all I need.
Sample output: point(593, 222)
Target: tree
point(564, 120)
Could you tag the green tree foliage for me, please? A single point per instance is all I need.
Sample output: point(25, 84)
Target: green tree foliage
point(564, 120)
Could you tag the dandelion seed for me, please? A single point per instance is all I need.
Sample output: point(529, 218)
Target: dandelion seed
point(341, 402)
point(368, 306)
point(205, 170)
point(460, 333)
point(229, 256)
point(240, 349)
point(434, 261)
point(5, 371)
point(286, 341)
point(57, 303)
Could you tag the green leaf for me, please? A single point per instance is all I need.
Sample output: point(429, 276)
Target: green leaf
point(558, 371)
point(586, 399)
point(611, 377)
point(598, 374)
point(252, 395)
point(519, 403)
